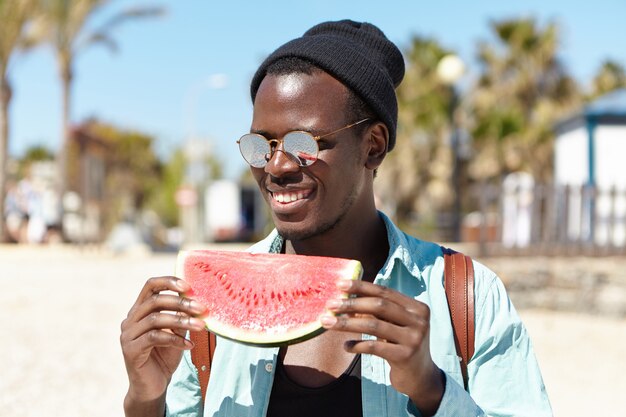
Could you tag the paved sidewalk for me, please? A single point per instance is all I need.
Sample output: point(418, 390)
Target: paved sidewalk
point(60, 354)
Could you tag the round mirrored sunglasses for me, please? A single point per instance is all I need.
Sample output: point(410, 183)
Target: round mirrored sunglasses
point(299, 146)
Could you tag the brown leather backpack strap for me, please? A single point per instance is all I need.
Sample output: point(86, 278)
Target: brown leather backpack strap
point(459, 284)
point(202, 357)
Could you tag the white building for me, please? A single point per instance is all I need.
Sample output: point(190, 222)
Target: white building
point(590, 158)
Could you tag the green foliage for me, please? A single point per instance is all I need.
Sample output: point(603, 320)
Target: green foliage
point(172, 176)
point(215, 167)
point(33, 154)
point(136, 180)
point(501, 123)
point(15, 16)
point(132, 165)
point(64, 26)
point(162, 199)
point(415, 177)
point(610, 76)
point(37, 153)
point(523, 89)
point(132, 173)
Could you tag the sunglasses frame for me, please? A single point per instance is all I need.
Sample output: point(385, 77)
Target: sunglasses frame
point(277, 141)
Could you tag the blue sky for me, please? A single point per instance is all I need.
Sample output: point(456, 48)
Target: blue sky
point(158, 81)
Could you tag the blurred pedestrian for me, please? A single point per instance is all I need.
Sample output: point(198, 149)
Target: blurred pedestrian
point(15, 213)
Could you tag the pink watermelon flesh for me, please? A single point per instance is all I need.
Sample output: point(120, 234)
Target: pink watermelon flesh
point(264, 299)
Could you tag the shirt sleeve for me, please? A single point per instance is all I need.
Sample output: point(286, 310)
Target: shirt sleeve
point(456, 402)
point(183, 397)
point(504, 376)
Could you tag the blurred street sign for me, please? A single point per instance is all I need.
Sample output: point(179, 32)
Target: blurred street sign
point(186, 196)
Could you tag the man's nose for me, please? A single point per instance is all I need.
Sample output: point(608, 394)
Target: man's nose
point(281, 163)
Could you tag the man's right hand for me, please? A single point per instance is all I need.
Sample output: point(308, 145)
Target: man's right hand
point(153, 340)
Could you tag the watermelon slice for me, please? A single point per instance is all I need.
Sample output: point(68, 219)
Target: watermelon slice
point(264, 299)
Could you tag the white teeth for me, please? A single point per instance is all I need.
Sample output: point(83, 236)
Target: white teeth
point(289, 197)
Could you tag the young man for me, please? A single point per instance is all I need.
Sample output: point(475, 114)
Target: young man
point(324, 118)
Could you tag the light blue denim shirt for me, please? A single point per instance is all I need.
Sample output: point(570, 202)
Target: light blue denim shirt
point(504, 378)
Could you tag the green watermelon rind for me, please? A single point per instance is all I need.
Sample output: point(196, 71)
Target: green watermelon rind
point(353, 271)
point(259, 339)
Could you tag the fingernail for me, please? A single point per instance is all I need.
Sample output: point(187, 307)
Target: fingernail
point(197, 307)
point(197, 324)
point(333, 304)
point(188, 344)
point(328, 320)
point(182, 285)
point(344, 284)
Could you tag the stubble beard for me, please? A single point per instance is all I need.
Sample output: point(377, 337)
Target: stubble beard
point(319, 230)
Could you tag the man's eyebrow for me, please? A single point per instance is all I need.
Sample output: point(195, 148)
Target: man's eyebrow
point(313, 131)
point(262, 133)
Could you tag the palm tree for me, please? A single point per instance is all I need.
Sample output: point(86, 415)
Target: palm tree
point(522, 90)
point(67, 31)
point(609, 77)
point(14, 17)
point(416, 177)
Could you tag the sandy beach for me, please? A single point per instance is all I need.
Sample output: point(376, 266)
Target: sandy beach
point(62, 309)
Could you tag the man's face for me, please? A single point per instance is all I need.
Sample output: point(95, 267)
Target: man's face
point(308, 201)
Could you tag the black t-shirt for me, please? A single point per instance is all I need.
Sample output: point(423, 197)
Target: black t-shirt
point(341, 397)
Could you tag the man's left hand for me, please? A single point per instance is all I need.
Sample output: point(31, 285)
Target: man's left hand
point(401, 326)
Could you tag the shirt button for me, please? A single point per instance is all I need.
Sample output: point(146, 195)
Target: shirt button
point(269, 367)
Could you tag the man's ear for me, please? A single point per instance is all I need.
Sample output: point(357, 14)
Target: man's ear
point(378, 137)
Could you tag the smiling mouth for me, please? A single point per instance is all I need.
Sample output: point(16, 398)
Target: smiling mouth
point(290, 196)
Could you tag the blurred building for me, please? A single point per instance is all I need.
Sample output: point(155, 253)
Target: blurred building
point(233, 212)
point(84, 202)
point(589, 164)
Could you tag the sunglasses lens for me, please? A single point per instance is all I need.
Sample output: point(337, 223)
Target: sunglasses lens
point(301, 146)
point(254, 149)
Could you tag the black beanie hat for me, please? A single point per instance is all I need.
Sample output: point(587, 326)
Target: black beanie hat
point(357, 54)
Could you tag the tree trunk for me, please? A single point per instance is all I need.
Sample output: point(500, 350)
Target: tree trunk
point(5, 99)
point(66, 81)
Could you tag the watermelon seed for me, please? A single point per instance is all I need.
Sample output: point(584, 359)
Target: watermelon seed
point(203, 267)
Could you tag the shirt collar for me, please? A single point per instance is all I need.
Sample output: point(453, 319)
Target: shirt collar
point(402, 250)
point(413, 254)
